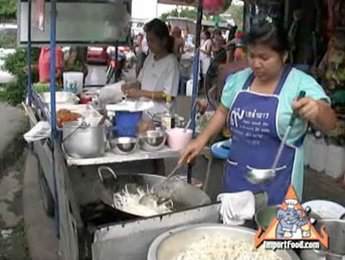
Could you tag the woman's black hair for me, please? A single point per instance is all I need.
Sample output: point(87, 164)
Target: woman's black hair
point(207, 34)
point(161, 31)
point(267, 32)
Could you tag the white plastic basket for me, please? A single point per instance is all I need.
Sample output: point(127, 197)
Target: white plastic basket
point(335, 163)
point(73, 82)
point(307, 150)
point(318, 156)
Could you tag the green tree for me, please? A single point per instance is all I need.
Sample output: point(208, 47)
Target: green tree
point(14, 92)
point(236, 12)
point(8, 9)
point(184, 12)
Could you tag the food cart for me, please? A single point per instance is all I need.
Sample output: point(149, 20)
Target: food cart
point(70, 183)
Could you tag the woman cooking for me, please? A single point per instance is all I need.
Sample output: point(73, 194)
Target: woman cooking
point(260, 101)
point(159, 76)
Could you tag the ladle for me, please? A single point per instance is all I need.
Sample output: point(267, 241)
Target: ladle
point(151, 198)
point(258, 176)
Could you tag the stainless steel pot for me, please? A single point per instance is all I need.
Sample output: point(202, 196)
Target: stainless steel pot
point(182, 194)
point(336, 249)
point(168, 245)
point(81, 140)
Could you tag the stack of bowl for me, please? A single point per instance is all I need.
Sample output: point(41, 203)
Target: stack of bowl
point(124, 145)
point(153, 140)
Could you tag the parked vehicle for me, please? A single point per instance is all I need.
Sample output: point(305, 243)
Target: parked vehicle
point(97, 55)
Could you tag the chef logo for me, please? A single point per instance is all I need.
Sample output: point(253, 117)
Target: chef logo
point(291, 228)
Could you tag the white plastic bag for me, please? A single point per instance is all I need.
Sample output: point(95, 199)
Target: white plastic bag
point(40, 131)
point(111, 94)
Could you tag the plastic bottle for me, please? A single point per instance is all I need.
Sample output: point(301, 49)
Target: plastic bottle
point(168, 116)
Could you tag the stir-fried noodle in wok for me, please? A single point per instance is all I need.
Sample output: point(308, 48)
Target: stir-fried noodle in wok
point(220, 247)
point(129, 202)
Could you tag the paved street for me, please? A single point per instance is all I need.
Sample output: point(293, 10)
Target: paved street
point(13, 244)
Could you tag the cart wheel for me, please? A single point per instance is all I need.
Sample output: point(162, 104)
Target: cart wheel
point(46, 196)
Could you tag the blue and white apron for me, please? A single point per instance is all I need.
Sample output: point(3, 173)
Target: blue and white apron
point(255, 142)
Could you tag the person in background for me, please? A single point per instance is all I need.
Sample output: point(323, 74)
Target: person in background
point(178, 42)
point(218, 46)
point(141, 51)
point(159, 76)
point(76, 60)
point(205, 52)
point(43, 66)
point(260, 101)
point(237, 48)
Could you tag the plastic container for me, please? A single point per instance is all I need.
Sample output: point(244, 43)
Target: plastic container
point(125, 124)
point(335, 163)
point(307, 150)
point(178, 138)
point(318, 154)
point(73, 82)
point(221, 149)
point(189, 88)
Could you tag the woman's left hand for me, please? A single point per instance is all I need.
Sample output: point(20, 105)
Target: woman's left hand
point(307, 108)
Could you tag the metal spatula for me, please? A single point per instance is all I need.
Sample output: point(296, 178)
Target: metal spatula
point(152, 198)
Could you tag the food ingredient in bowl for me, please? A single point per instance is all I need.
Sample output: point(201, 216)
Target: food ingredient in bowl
point(129, 202)
point(65, 115)
point(220, 247)
point(40, 87)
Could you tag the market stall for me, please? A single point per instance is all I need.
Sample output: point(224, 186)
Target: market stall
point(69, 158)
point(80, 183)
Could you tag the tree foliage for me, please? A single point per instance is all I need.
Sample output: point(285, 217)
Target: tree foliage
point(8, 9)
point(184, 12)
point(14, 92)
point(236, 12)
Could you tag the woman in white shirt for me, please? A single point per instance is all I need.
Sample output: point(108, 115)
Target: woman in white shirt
point(205, 51)
point(159, 76)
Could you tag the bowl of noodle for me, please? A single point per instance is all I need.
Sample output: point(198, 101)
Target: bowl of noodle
point(211, 242)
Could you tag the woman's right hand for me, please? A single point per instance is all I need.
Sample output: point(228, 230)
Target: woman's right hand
point(193, 149)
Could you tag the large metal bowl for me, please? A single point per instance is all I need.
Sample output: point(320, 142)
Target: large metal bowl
point(169, 245)
point(336, 247)
point(265, 216)
point(153, 140)
point(124, 145)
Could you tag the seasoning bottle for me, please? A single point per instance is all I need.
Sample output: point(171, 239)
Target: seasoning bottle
point(168, 117)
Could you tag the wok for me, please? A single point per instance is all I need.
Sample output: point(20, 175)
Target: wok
point(182, 194)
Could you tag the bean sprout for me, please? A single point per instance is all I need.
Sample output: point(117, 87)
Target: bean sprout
point(129, 202)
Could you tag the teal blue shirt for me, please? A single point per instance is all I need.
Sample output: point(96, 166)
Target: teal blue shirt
point(295, 82)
